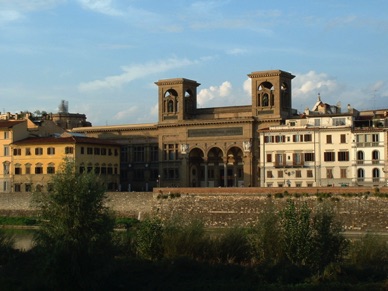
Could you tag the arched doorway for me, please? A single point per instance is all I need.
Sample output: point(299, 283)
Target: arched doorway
point(235, 167)
point(196, 162)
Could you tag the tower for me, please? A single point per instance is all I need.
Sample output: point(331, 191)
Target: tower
point(177, 99)
point(271, 95)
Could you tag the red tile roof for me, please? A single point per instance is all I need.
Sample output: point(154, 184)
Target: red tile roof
point(65, 140)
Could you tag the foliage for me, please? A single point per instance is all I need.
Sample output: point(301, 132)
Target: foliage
point(16, 220)
point(148, 239)
point(75, 236)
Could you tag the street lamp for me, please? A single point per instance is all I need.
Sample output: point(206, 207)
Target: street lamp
point(158, 181)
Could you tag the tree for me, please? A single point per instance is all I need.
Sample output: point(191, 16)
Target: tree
point(76, 232)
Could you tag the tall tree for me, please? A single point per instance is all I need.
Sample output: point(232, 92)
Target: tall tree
point(76, 232)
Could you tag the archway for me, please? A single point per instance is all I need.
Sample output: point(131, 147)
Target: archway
point(196, 163)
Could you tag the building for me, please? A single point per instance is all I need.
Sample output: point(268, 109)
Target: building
point(36, 159)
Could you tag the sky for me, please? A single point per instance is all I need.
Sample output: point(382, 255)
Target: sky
point(104, 56)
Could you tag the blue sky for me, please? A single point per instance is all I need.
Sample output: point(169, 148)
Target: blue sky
point(103, 56)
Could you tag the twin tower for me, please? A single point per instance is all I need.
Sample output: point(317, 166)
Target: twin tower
point(270, 93)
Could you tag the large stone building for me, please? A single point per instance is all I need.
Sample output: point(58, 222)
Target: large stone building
point(262, 144)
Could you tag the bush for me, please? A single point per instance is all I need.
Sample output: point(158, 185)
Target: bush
point(148, 239)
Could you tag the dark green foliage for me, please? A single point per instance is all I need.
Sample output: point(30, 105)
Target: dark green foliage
point(370, 250)
point(16, 220)
point(75, 237)
point(148, 239)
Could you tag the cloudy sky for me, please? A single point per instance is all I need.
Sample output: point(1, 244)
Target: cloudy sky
point(103, 56)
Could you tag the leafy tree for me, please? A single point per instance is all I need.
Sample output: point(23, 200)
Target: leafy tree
point(76, 234)
point(297, 240)
point(148, 239)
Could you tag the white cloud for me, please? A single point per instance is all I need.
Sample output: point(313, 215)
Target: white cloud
point(9, 16)
point(214, 92)
point(122, 115)
point(135, 72)
point(100, 6)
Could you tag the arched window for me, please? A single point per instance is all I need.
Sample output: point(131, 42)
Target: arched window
point(170, 106)
point(376, 175)
point(360, 175)
point(360, 157)
point(375, 157)
point(51, 168)
point(265, 100)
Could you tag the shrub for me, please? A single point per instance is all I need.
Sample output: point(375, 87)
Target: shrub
point(148, 239)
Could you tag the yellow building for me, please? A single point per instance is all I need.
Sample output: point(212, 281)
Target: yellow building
point(36, 159)
point(10, 131)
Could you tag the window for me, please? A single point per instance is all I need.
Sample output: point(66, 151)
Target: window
point(6, 150)
point(339, 121)
point(17, 187)
point(280, 138)
point(28, 187)
point(6, 168)
point(375, 157)
point(51, 169)
point(89, 151)
point(6, 134)
point(154, 153)
point(343, 156)
point(280, 174)
point(317, 122)
point(38, 169)
point(28, 169)
point(97, 151)
point(110, 169)
point(38, 151)
point(269, 174)
point(17, 152)
point(138, 154)
point(360, 175)
point(103, 151)
point(51, 151)
point(343, 138)
point(309, 157)
point(269, 158)
point(308, 137)
point(309, 173)
point(376, 175)
point(297, 159)
point(328, 138)
point(268, 139)
point(170, 152)
point(18, 169)
point(279, 159)
point(82, 150)
point(329, 173)
point(329, 157)
point(69, 150)
point(360, 157)
point(171, 174)
point(297, 138)
point(343, 172)
point(28, 152)
point(298, 173)
point(375, 137)
point(82, 168)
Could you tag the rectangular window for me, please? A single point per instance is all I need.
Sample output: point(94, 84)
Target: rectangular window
point(269, 158)
point(343, 138)
point(343, 173)
point(97, 151)
point(82, 150)
point(38, 170)
point(51, 151)
point(17, 152)
point(317, 122)
point(329, 173)
point(308, 137)
point(138, 154)
point(268, 139)
point(28, 187)
point(18, 187)
point(297, 138)
point(269, 174)
point(50, 170)
point(28, 169)
point(89, 151)
point(171, 174)
point(297, 159)
point(343, 156)
point(170, 152)
point(280, 138)
point(38, 151)
point(329, 157)
point(103, 151)
point(309, 173)
point(28, 152)
point(6, 150)
point(18, 170)
point(309, 157)
point(280, 174)
point(328, 139)
point(6, 134)
point(69, 150)
point(375, 138)
point(339, 121)
point(298, 173)
point(154, 153)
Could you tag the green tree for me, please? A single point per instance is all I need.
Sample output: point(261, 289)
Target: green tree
point(148, 239)
point(76, 232)
point(297, 240)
